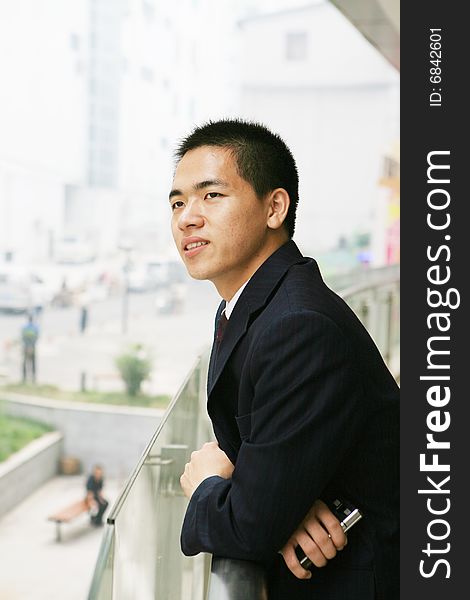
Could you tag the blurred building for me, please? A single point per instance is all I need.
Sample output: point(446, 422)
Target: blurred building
point(42, 119)
point(96, 93)
point(176, 71)
point(315, 79)
point(386, 229)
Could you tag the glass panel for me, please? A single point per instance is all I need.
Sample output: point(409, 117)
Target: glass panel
point(102, 583)
point(147, 517)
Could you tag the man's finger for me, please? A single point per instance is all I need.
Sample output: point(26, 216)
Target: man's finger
point(312, 549)
point(292, 562)
point(331, 524)
point(321, 538)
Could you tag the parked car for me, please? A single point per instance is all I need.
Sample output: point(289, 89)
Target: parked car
point(74, 249)
point(153, 274)
point(170, 299)
point(22, 290)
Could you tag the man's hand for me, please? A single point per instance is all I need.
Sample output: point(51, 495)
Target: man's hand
point(319, 535)
point(92, 504)
point(209, 460)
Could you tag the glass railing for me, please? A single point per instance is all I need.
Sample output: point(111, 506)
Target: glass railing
point(140, 556)
point(377, 303)
point(232, 579)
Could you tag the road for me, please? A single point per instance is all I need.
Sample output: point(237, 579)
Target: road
point(63, 354)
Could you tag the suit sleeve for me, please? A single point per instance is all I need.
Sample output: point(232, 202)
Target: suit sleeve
point(307, 412)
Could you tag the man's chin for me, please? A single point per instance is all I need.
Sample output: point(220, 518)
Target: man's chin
point(198, 274)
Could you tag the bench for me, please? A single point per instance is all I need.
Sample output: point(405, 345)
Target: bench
point(67, 514)
point(110, 381)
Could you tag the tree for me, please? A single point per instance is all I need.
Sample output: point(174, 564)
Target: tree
point(134, 367)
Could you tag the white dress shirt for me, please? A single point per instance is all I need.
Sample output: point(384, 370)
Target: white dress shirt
point(229, 306)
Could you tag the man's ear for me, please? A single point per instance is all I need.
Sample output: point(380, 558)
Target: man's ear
point(279, 202)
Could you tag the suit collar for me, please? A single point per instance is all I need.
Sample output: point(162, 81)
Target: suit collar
point(254, 297)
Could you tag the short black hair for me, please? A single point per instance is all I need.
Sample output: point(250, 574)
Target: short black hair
point(263, 158)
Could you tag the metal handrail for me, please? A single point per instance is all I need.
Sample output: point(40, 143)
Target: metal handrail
point(233, 579)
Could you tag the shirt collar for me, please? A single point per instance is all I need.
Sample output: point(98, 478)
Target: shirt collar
point(231, 304)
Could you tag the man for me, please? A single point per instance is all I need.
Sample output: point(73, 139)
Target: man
point(96, 501)
point(302, 405)
point(29, 338)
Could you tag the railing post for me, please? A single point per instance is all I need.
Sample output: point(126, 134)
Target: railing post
point(388, 338)
point(364, 312)
point(236, 580)
point(170, 507)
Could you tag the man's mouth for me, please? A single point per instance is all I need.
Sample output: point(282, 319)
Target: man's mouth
point(193, 245)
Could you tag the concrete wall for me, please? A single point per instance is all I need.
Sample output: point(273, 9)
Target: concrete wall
point(26, 470)
point(113, 436)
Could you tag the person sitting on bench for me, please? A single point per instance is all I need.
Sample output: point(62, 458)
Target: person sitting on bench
point(96, 501)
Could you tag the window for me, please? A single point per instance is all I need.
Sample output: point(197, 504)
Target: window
point(148, 8)
point(74, 41)
point(147, 74)
point(297, 45)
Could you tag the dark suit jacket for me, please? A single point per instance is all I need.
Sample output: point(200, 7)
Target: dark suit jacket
point(304, 406)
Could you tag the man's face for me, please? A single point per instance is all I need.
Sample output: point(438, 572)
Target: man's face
point(219, 224)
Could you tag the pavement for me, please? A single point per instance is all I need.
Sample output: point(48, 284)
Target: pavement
point(174, 341)
point(33, 565)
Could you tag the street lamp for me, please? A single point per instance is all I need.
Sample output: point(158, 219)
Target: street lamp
point(127, 249)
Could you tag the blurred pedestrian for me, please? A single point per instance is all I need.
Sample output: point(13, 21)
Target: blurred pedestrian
point(96, 501)
point(29, 338)
point(83, 318)
point(83, 303)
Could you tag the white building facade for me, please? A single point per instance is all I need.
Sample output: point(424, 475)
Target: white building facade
point(96, 93)
point(315, 80)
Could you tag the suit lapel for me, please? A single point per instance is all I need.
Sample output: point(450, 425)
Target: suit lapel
point(254, 297)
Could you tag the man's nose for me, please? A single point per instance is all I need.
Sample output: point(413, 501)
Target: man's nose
point(191, 216)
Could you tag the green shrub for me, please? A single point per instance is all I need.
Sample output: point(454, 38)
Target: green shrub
point(15, 433)
point(134, 367)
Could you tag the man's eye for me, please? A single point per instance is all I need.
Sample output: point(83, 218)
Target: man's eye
point(213, 194)
point(177, 204)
